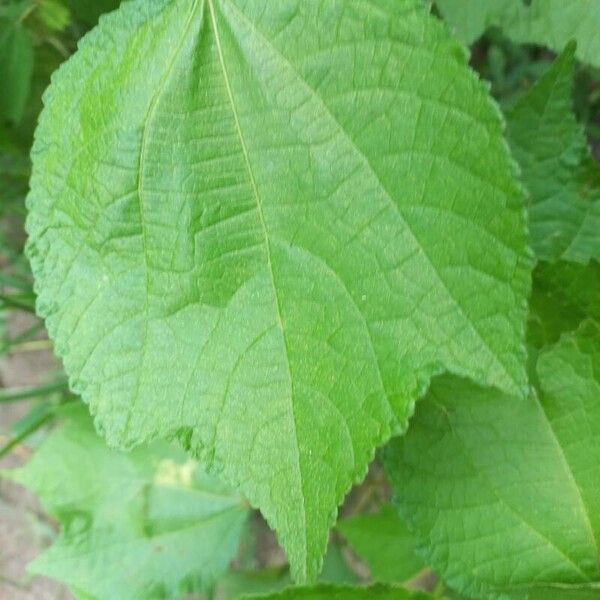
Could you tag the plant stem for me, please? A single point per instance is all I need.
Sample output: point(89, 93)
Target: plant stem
point(17, 394)
point(25, 434)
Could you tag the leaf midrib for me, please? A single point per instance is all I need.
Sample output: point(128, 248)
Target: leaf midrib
point(365, 160)
point(268, 250)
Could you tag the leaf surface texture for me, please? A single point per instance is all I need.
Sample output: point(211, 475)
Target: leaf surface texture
point(260, 230)
point(504, 493)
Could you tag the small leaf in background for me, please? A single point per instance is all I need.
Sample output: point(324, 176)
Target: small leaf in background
point(564, 294)
point(384, 543)
point(149, 524)
point(504, 493)
point(559, 171)
point(331, 592)
point(551, 23)
point(89, 11)
point(16, 69)
point(53, 14)
point(268, 249)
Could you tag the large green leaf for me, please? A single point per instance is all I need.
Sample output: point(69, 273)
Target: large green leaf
point(384, 543)
point(504, 493)
point(136, 526)
point(331, 592)
point(562, 176)
point(16, 68)
point(257, 230)
point(550, 23)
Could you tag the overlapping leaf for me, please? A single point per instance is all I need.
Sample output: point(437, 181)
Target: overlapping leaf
point(144, 525)
point(551, 23)
point(260, 229)
point(504, 493)
point(562, 176)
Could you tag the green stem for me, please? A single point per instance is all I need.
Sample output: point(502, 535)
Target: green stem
point(23, 302)
point(17, 394)
point(18, 439)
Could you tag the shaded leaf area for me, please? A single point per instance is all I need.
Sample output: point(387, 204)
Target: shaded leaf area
point(89, 11)
point(329, 592)
point(564, 295)
point(144, 525)
point(504, 493)
point(384, 543)
point(249, 232)
point(558, 169)
point(551, 23)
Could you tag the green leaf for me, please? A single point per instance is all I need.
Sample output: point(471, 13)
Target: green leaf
point(16, 69)
point(551, 23)
point(53, 14)
point(248, 231)
point(384, 543)
point(563, 296)
point(331, 592)
point(504, 493)
point(336, 568)
point(562, 176)
point(144, 525)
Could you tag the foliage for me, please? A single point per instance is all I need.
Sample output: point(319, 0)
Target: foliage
point(378, 592)
point(551, 23)
point(564, 186)
point(263, 236)
point(250, 307)
point(510, 485)
point(384, 543)
point(122, 537)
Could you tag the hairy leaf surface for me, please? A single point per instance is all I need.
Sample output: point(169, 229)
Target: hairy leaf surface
point(384, 543)
point(562, 176)
point(504, 493)
point(145, 525)
point(551, 23)
point(260, 230)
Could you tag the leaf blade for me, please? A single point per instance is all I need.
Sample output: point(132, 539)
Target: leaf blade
point(247, 247)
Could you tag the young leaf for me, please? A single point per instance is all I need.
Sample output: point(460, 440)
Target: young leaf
point(384, 543)
point(16, 69)
point(254, 229)
point(551, 23)
point(562, 176)
point(149, 524)
point(331, 592)
point(504, 493)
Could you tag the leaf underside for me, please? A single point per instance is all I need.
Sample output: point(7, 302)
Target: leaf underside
point(260, 231)
point(504, 493)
